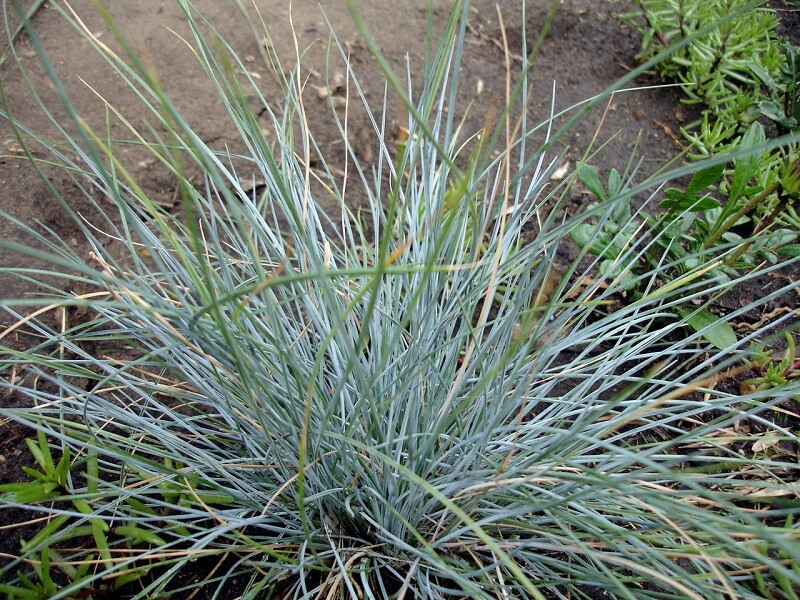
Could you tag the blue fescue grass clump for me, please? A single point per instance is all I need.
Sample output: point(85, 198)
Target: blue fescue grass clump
point(381, 405)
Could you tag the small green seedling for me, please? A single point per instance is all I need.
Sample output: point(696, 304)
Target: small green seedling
point(41, 585)
point(612, 237)
point(49, 481)
point(772, 373)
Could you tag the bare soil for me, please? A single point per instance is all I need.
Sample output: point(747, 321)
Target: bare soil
point(587, 49)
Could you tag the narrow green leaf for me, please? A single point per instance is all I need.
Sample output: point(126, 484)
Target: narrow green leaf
point(44, 533)
point(614, 183)
point(101, 543)
point(62, 469)
point(129, 577)
point(15, 592)
point(92, 473)
point(37, 492)
point(47, 458)
point(37, 475)
point(212, 498)
point(84, 508)
point(746, 167)
point(140, 506)
point(43, 571)
point(68, 569)
point(137, 534)
point(13, 488)
point(36, 452)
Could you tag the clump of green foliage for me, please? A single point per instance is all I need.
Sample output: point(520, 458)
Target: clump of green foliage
point(729, 38)
point(737, 72)
point(400, 414)
point(772, 372)
point(726, 213)
point(739, 209)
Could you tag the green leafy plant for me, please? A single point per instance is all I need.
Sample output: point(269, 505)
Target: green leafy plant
point(737, 73)
point(386, 415)
point(612, 237)
point(43, 583)
point(695, 228)
point(748, 202)
point(52, 482)
point(782, 104)
point(774, 373)
point(716, 69)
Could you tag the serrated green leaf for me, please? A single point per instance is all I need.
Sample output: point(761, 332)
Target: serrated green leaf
point(713, 329)
point(591, 180)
